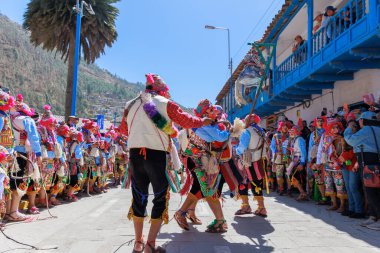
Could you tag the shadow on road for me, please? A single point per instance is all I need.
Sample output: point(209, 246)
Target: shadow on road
point(243, 232)
point(341, 223)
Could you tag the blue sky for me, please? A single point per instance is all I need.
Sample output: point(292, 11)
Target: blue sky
point(167, 37)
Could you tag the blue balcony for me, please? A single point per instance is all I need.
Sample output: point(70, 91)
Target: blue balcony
point(333, 54)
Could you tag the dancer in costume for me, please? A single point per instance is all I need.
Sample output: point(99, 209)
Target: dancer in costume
point(228, 169)
point(6, 133)
point(7, 145)
point(27, 144)
point(204, 152)
point(62, 176)
point(329, 150)
point(148, 122)
point(271, 169)
point(183, 139)
point(296, 169)
point(317, 169)
point(105, 157)
point(252, 150)
point(280, 153)
point(5, 160)
point(91, 156)
point(73, 121)
point(52, 159)
point(111, 137)
point(122, 158)
point(76, 164)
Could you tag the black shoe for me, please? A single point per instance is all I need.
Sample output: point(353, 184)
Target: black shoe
point(357, 216)
point(347, 213)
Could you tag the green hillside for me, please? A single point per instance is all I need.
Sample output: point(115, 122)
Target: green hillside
point(41, 77)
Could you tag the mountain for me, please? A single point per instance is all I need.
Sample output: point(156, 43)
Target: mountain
point(41, 77)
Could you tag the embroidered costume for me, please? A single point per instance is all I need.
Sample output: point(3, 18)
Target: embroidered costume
point(251, 148)
point(148, 120)
point(280, 152)
point(329, 150)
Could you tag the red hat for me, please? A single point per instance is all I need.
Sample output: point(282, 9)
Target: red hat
point(331, 122)
point(324, 118)
point(48, 119)
point(155, 83)
point(297, 130)
point(89, 124)
point(350, 116)
point(24, 108)
point(63, 129)
point(3, 156)
point(6, 101)
point(202, 107)
point(252, 118)
point(20, 98)
point(282, 124)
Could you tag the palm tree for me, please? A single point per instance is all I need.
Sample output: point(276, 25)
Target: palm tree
point(52, 25)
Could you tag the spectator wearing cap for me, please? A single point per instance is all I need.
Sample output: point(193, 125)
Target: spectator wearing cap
point(364, 143)
point(328, 20)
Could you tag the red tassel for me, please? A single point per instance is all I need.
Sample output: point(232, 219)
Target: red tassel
point(187, 186)
point(228, 176)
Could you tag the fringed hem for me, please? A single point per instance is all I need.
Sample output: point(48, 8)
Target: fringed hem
point(165, 214)
point(151, 221)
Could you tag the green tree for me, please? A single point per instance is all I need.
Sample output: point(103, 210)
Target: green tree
point(52, 24)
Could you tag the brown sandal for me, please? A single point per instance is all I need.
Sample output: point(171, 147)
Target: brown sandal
point(194, 219)
point(261, 211)
point(16, 218)
point(180, 217)
point(244, 210)
point(138, 251)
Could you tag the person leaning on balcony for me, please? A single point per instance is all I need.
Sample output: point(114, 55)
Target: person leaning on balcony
point(364, 143)
point(300, 55)
point(328, 20)
point(317, 22)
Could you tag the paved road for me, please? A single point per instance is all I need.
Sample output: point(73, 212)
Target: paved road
point(99, 224)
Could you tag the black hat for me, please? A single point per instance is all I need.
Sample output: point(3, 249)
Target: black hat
point(329, 8)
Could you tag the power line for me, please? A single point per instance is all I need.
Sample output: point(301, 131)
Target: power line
point(254, 28)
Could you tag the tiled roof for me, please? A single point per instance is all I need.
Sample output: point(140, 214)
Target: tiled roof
point(269, 29)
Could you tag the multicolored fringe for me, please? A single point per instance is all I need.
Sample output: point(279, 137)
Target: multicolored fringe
point(160, 122)
point(207, 190)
